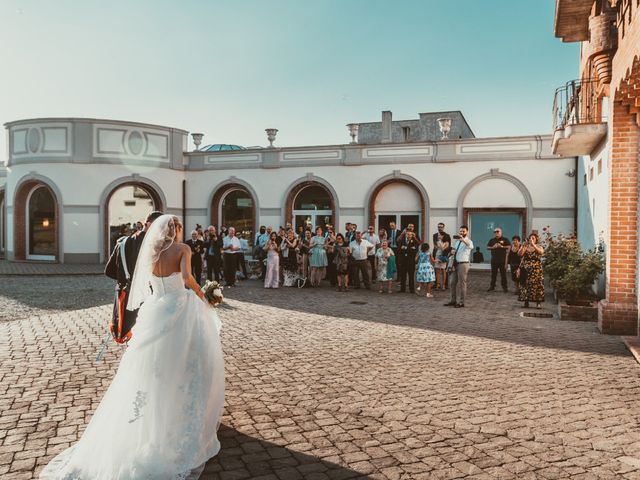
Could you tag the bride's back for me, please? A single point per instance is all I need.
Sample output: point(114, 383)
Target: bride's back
point(170, 260)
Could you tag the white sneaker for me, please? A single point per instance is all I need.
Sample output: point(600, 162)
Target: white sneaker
point(429, 295)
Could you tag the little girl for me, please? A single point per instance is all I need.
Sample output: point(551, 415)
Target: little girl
point(425, 274)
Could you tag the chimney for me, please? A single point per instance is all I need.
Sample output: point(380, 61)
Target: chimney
point(386, 127)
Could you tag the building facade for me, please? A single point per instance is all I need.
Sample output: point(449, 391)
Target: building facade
point(596, 118)
point(65, 179)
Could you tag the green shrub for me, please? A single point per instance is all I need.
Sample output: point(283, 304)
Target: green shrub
point(571, 271)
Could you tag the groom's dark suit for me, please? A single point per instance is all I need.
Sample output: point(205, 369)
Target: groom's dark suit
point(120, 267)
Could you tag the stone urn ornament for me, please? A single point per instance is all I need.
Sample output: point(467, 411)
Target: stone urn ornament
point(271, 135)
point(445, 127)
point(353, 131)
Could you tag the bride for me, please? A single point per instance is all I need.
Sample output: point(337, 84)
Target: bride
point(160, 415)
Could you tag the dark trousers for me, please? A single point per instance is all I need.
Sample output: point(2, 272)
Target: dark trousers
point(495, 268)
point(354, 275)
point(196, 271)
point(407, 268)
point(331, 269)
point(230, 267)
point(372, 263)
point(361, 266)
point(214, 264)
point(243, 265)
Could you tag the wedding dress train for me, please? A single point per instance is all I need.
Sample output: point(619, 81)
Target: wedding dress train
point(160, 415)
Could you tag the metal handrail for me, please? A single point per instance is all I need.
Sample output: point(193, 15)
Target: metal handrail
point(577, 102)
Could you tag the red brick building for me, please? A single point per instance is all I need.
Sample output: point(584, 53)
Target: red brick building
point(597, 118)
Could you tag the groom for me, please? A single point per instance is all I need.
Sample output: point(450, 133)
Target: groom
point(120, 267)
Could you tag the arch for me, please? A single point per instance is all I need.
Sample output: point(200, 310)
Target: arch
point(494, 174)
point(220, 192)
point(148, 185)
point(22, 190)
point(397, 177)
point(300, 184)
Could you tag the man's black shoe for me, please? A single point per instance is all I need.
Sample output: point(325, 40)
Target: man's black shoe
point(459, 305)
point(491, 289)
point(450, 304)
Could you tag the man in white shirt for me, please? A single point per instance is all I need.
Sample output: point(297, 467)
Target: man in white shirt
point(374, 240)
point(230, 249)
point(360, 249)
point(462, 249)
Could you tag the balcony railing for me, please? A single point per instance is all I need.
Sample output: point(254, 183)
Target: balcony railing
point(578, 120)
point(577, 102)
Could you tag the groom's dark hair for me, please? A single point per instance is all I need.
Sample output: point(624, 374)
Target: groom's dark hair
point(153, 216)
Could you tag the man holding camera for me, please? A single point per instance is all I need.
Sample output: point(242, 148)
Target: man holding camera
point(498, 246)
point(461, 254)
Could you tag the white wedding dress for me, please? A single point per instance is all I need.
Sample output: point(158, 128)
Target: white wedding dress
point(159, 417)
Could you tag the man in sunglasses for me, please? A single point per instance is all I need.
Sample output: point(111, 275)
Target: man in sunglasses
point(498, 246)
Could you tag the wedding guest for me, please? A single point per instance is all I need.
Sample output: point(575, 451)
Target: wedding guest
point(445, 236)
point(374, 240)
point(272, 247)
point(393, 235)
point(498, 246)
point(300, 232)
point(407, 251)
point(289, 247)
point(513, 259)
point(440, 264)
point(425, 274)
point(318, 258)
point(350, 235)
point(461, 252)
point(213, 249)
point(197, 249)
point(305, 249)
point(386, 266)
point(330, 237)
point(244, 248)
point(478, 256)
point(360, 249)
point(341, 261)
point(532, 290)
point(230, 247)
point(382, 235)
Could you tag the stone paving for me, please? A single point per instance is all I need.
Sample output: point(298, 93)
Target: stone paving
point(327, 385)
point(49, 268)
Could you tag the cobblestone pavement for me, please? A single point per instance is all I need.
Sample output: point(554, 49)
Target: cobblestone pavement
point(388, 387)
point(31, 268)
point(24, 296)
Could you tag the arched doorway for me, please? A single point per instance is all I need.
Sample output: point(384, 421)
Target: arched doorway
point(37, 222)
point(233, 205)
point(400, 201)
point(126, 205)
point(310, 204)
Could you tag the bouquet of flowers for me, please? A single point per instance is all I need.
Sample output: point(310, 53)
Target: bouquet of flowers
point(213, 293)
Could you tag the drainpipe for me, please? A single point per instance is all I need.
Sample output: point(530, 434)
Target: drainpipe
point(184, 202)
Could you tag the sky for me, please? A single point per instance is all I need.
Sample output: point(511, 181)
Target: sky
point(231, 68)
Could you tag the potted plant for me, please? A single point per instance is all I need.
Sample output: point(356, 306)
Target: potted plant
point(575, 288)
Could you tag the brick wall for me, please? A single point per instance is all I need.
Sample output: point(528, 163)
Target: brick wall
point(618, 314)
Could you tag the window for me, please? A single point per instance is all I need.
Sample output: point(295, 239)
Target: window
point(41, 224)
point(238, 212)
point(129, 203)
point(584, 180)
point(312, 206)
point(406, 131)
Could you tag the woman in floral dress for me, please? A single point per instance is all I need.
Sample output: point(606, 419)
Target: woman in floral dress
point(425, 274)
point(318, 258)
point(385, 266)
point(532, 289)
point(341, 261)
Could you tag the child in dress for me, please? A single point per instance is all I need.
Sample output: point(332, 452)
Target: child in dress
point(425, 274)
